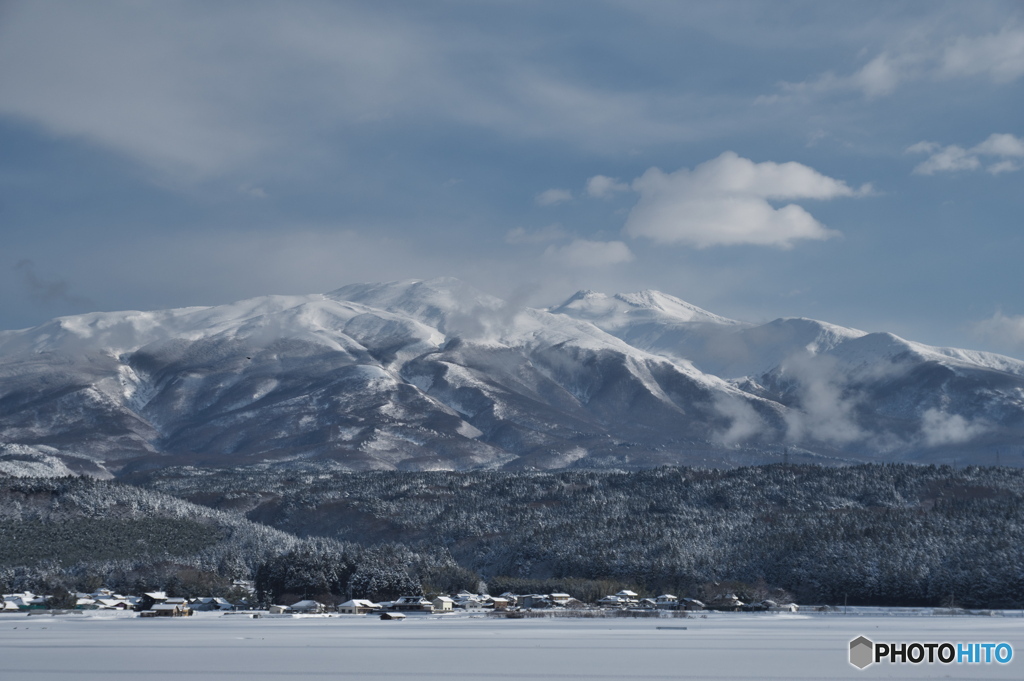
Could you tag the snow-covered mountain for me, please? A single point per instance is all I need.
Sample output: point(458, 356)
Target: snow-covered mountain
point(436, 375)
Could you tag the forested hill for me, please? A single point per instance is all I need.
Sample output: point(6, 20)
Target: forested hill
point(86, 525)
point(892, 534)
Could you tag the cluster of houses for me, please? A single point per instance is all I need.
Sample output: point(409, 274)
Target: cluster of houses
point(726, 602)
point(465, 601)
point(158, 604)
point(152, 604)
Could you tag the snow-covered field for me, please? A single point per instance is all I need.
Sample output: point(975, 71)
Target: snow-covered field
point(723, 646)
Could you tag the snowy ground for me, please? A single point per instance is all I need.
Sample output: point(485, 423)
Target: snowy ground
point(723, 646)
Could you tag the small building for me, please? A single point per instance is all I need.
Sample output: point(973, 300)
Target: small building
point(358, 606)
point(170, 610)
point(691, 604)
point(442, 604)
point(726, 602)
point(308, 607)
point(534, 601)
point(412, 604)
point(627, 596)
point(498, 603)
point(612, 602)
point(559, 598)
point(209, 603)
point(510, 597)
point(279, 609)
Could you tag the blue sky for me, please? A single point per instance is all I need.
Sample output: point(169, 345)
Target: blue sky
point(858, 163)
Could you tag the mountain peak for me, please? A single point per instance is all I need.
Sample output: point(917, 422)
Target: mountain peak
point(613, 311)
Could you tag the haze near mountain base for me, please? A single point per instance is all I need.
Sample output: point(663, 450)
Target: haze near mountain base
point(434, 375)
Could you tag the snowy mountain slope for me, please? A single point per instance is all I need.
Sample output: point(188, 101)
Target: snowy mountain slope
point(435, 375)
point(844, 387)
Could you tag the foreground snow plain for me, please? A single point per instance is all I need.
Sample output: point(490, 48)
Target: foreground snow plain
point(721, 647)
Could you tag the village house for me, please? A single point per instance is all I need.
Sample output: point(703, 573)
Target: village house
point(169, 610)
point(210, 603)
point(534, 601)
point(412, 604)
point(691, 604)
point(442, 604)
point(149, 599)
point(308, 607)
point(559, 599)
point(24, 601)
point(627, 596)
point(726, 602)
point(612, 602)
point(358, 606)
point(666, 602)
point(498, 603)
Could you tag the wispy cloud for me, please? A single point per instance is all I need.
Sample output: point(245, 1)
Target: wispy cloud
point(727, 201)
point(941, 428)
point(998, 56)
point(1003, 146)
point(586, 253)
point(521, 235)
point(1004, 331)
point(550, 197)
point(601, 186)
point(199, 99)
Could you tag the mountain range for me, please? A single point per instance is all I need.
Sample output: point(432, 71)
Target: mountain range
point(435, 375)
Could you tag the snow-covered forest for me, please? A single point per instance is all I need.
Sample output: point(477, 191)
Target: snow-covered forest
point(874, 534)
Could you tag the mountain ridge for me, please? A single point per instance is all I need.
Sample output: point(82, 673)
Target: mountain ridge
point(433, 374)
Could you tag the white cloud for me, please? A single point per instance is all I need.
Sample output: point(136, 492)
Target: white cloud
point(997, 55)
point(826, 412)
point(953, 157)
point(601, 186)
point(947, 159)
point(726, 201)
point(521, 235)
point(586, 253)
point(552, 196)
point(1005, 331)
point(1001, 144)
point(941, 428)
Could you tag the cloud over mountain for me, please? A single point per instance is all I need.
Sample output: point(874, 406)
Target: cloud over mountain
point(728, 201)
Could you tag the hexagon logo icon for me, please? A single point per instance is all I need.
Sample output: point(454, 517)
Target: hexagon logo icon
point(861, 652)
